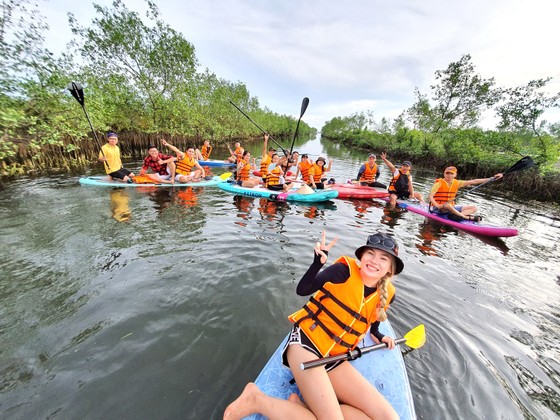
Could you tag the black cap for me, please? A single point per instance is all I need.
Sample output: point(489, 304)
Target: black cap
point(385, 243)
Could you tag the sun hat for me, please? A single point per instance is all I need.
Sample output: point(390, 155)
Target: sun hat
point(451, 169)
point(385, 243)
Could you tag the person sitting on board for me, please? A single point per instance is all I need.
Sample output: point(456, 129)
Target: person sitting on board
point(184, 165)
point(110, 154)
point(237, 154)
point(275, 175)
point(401, 185)
point(369, 173)
point(303, 168)
point(316, 172)
point(266, 158)
point(442, 196)
point(204, 152)
point(244, 169)
point(162, 166)
point(293, 161)
point(361, 291)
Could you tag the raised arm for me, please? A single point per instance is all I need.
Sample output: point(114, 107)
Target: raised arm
point(389, 164)
point(180, 154)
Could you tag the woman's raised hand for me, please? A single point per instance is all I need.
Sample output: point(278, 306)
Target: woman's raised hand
point(320, 247)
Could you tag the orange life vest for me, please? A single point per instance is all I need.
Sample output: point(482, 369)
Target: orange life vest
point(446, 193)
point(185, 165)
point(273, 177)
point(304, 169)
point(244, 171)
point(266, 160)
point(239, 153)
point(317, 172)
point(369, 174)
point(338, 315)
point(205, 152)
point(399, 183)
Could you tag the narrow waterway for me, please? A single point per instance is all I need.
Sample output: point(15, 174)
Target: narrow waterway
point(164, 302)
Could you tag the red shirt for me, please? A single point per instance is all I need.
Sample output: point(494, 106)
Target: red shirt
point(156, 167)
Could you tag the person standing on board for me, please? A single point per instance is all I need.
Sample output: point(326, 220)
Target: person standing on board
point(187, 169)
point(237, 154)
point(316, 172)
point(204, 152)
point(401, 185)
point(162, 166)
point(369, 173)
point(442, 196)
point(361, 291)
point(110, 155)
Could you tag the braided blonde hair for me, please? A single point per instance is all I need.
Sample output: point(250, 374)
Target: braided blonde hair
point(382, 289)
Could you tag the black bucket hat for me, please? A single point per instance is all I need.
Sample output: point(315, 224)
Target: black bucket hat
point(385, 243)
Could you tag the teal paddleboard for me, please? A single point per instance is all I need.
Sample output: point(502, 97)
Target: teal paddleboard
point(103, 181)
point(290, 195)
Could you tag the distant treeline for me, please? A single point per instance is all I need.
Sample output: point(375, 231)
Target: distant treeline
point(139, 79)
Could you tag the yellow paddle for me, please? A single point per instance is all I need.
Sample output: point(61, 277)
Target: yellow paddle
point(415, 339)
point(225, 176)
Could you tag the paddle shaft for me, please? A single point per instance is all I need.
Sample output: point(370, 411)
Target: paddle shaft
point(350, 355)
point(77, 92)
point(256, 125)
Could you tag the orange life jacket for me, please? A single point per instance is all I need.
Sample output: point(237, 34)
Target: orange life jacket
point(273, 177)
point(239, 153)
point(266, 160)
point(369, 174)
point(185, 165)
point(399, 183)
point(446, 193)
point(317, 172)
point(244, 171)
point(338, 315)
point(304, 169)
point(205, 152)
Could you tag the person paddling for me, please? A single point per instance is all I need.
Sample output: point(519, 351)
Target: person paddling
point(110, 154)
point(444, 191)
point(361, 291)
point(401, 185)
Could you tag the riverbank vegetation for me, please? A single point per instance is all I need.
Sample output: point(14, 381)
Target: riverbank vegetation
point(143, 81)
point(445, 130)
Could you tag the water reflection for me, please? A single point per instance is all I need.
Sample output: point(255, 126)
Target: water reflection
point(391, 216)
point(120, 208)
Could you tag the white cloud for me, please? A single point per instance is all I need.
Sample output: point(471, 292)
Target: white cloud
point(341, 54)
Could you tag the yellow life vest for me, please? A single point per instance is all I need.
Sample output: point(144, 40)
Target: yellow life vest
point(266, 160)
point(205, 152)
point(446, 193)
point(317, 172)
point(185, 165)
point(338, 315)
point(273, 177)
point(239, 153)
point(369, 174)
point(243, 173)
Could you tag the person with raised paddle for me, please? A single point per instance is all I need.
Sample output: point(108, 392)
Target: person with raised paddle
point(187, 169)
point(349, 299)
point(401, 184)
point(162, 166)
point(444, 192)
point(110, 155)
point(369, 173)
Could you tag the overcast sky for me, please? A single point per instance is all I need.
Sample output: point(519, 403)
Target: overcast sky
point(349, 56)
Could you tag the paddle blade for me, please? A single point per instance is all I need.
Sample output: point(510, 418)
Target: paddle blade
point(416, 337)
point(304, 105)
point(77, 92)
point(524, 163)
point(225, 175)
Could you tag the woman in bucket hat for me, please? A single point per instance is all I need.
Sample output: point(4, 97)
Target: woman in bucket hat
point(349, 299)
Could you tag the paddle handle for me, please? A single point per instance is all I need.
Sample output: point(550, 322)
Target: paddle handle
point(350, 355)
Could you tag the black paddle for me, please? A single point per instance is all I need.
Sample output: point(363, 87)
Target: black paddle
point(304, 105)
point(264, 132)
point(78, 93)
point(520, 165)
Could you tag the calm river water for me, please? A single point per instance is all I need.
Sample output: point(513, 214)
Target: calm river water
point(163, 303)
